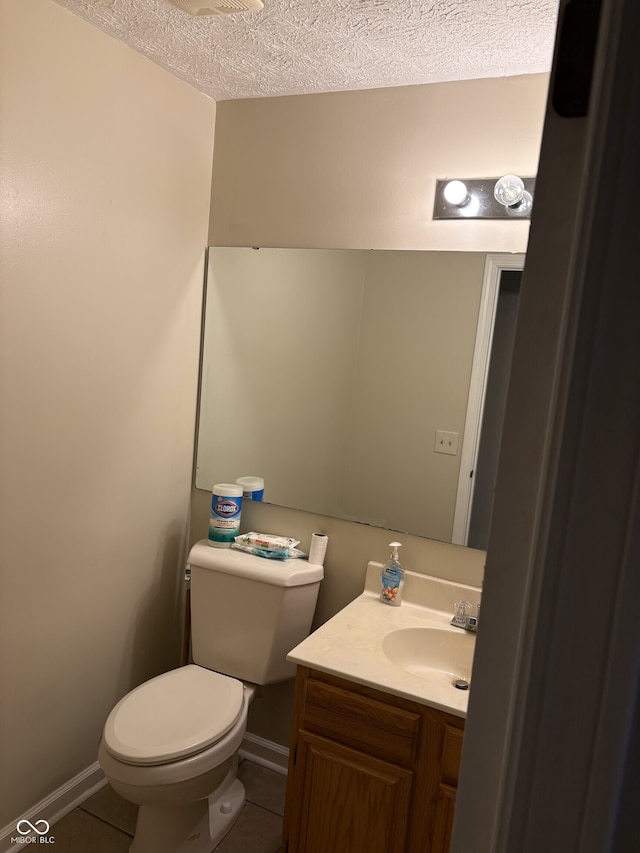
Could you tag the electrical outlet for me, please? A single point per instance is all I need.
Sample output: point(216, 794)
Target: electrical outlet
point(446, 442)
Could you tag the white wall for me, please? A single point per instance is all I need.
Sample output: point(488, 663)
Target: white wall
point(106, 165)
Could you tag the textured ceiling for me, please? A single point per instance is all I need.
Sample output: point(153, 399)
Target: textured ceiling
point(303, 46)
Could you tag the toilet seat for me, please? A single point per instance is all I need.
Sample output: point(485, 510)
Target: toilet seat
point(173, 716)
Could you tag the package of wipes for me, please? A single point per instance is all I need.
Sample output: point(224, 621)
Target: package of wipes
point(267, 541)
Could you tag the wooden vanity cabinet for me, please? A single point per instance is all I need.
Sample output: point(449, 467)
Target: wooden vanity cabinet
point(368, 771)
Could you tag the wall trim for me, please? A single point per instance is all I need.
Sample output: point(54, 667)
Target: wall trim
point(74, 792)
point(265, 752)
point(58, 804)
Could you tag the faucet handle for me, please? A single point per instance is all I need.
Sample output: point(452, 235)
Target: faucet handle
point(462, 608)
point(462, 617)
point(461, 611)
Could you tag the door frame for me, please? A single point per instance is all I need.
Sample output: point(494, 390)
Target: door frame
point(495, 263)
point(551, 752)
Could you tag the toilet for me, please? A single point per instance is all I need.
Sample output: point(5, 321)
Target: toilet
point(171, 744)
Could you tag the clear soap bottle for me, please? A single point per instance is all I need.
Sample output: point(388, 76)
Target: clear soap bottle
point(392, 577)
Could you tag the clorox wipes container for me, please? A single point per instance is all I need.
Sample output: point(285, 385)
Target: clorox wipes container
point(224, 519)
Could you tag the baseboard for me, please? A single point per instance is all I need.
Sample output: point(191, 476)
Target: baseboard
point(56, 805)
point(74, 792)
point(265, 752)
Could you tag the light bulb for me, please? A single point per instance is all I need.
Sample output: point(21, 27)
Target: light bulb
point(523, 207)
point(455, 192)
point(509, 190)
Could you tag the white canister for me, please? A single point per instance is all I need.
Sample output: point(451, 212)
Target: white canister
point(224, 519)
point(252, 488)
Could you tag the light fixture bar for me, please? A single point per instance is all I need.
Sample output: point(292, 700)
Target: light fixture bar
point(480, 203)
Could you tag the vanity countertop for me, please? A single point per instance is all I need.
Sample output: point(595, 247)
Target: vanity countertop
point(354, 643)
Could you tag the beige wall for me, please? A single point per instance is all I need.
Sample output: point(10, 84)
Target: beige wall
point(417, 337)
point(358, 169)
point(280, 345)
point(106, 179)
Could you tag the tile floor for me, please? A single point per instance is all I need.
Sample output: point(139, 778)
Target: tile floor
point(105, 823)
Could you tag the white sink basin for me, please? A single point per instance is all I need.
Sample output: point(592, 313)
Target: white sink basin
point(428, 651)
point(411, 651)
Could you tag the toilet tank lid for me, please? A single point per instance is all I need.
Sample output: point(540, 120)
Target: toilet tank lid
point(294, 572)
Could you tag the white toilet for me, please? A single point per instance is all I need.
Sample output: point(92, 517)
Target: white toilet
point(171, 744)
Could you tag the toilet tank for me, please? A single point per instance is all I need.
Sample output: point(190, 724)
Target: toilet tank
point(248, 612)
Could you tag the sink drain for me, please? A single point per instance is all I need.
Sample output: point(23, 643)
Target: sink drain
point(461, 684)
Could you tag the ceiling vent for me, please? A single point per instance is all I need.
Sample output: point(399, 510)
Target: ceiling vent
point(218, 7)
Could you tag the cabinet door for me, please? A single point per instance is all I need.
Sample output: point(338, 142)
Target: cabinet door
point(443, 826)
point(348, 801)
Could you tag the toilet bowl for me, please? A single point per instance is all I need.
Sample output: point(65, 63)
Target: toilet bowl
point(170, 746)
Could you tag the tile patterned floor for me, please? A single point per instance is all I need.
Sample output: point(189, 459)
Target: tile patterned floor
point(105, 823)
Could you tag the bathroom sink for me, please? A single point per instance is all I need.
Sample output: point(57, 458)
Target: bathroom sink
point(431, 651)
point(411, 651)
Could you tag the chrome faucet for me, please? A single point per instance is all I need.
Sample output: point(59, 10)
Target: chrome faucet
point(462, 616)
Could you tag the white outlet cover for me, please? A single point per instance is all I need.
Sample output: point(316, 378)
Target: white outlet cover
point(446, 442)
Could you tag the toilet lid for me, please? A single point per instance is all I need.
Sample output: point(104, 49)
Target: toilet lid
point(173, 715)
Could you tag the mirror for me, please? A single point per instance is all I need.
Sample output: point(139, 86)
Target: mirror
point(329, 372)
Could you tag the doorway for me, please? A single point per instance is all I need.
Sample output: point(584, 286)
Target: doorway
point(487, 399)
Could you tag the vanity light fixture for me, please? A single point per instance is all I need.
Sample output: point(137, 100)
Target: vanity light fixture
point(508, 197)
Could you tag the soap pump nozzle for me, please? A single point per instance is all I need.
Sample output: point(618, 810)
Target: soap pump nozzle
point(395, 550)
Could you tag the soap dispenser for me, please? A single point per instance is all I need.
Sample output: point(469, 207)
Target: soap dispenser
point(392, 577)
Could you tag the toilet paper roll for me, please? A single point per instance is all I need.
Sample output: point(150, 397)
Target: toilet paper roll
point(318, 549)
